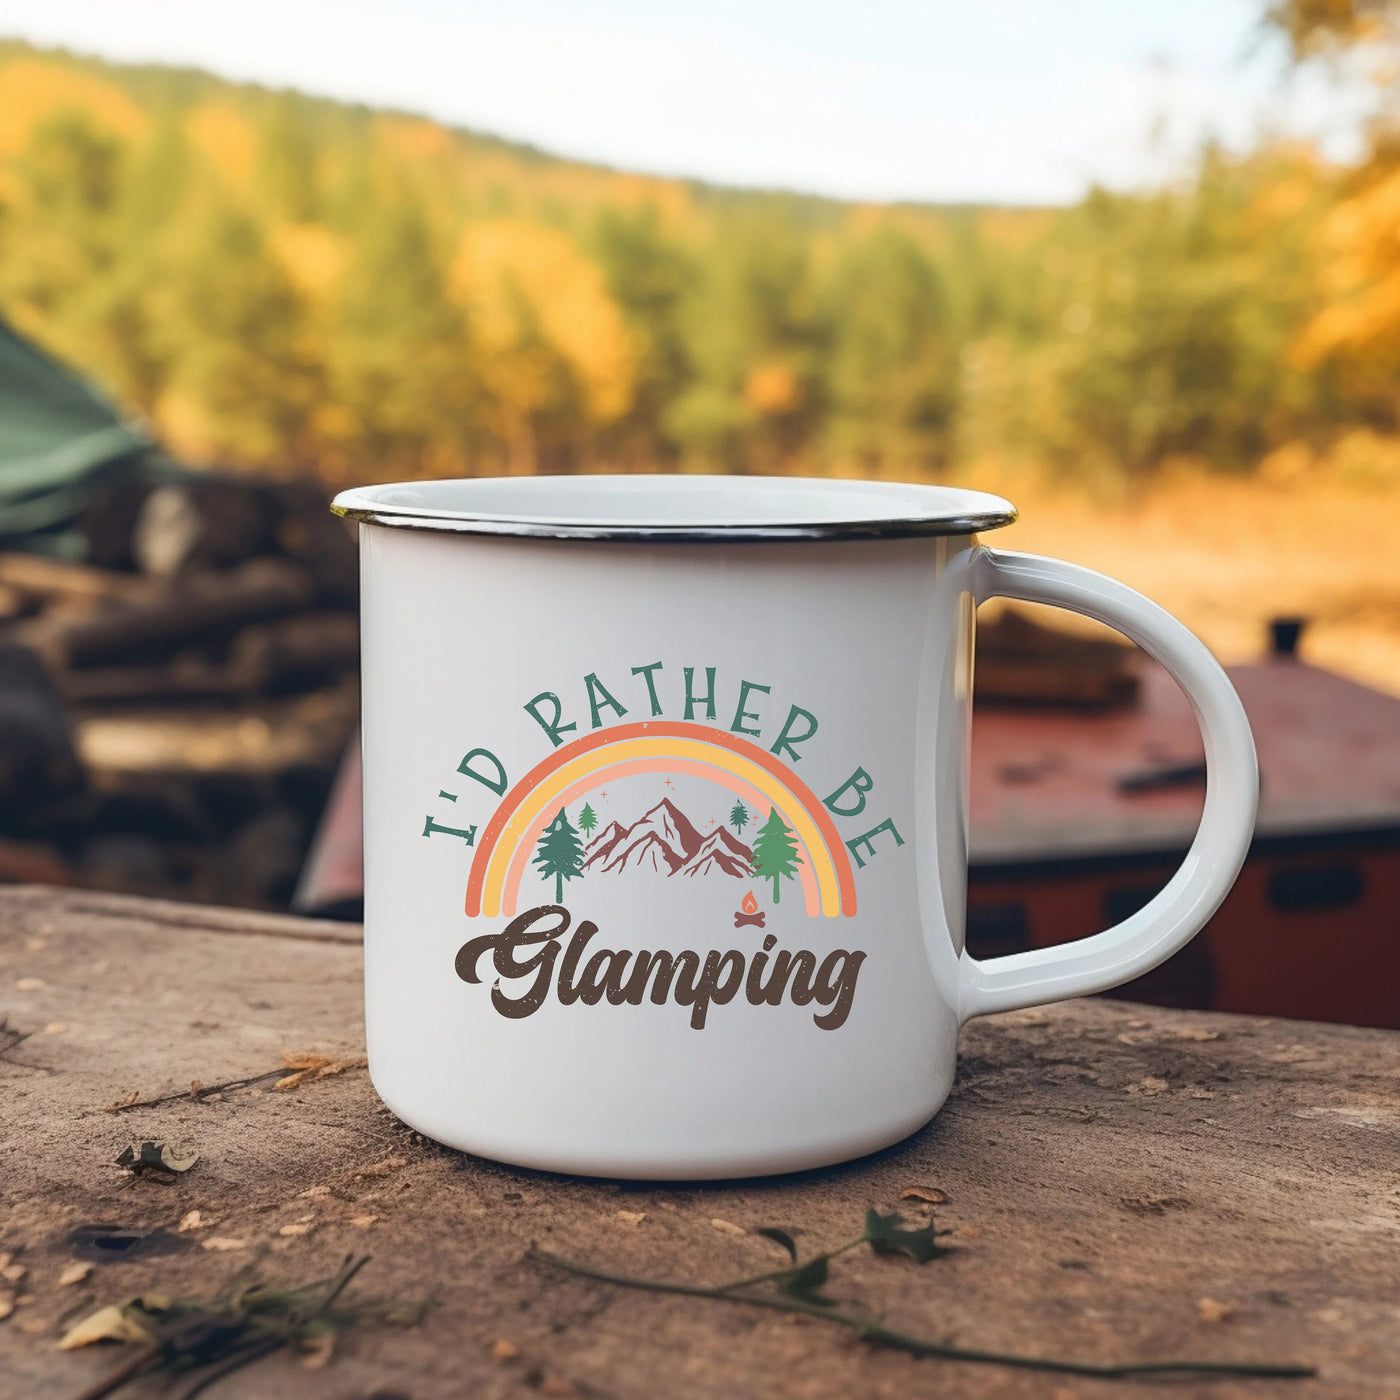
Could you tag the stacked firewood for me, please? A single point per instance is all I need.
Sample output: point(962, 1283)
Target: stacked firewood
point(173, 706)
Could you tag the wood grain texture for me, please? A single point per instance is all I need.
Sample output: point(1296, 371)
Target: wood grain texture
point(1108, 1167)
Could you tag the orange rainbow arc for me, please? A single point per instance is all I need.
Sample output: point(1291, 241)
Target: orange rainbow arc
point(654, 746)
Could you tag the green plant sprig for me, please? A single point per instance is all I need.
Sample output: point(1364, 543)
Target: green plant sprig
point(797, 1289)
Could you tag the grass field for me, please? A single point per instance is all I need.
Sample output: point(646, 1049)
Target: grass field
point(1225, 555)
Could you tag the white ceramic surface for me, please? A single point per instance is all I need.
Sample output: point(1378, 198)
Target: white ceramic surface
point(511, 674)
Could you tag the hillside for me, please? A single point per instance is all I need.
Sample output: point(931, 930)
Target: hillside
point(255, 272)
point(287, 283)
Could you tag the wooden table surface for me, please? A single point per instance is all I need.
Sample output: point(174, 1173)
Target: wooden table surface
point(1123, 1183)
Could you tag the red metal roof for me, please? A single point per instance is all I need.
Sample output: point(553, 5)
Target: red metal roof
point(1045, 784)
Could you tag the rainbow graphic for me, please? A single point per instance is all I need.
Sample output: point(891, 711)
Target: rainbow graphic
point(658, 746)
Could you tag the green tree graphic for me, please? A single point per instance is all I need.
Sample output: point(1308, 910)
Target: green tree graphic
point(560, 854)
point(587, 820)
point(739, 817)
point(775, 852)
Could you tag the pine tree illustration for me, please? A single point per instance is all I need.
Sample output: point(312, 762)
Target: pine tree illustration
point(775, 852)
point(739, 817)
point(560, 854)
point(587, 820)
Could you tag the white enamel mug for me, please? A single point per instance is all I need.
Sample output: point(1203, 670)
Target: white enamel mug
point(666, 813)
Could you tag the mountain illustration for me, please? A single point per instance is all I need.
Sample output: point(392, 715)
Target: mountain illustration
point(665, 841)
point(719, 851)
point(597, 850)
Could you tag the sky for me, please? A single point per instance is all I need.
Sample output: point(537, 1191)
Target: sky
point(1008, 101)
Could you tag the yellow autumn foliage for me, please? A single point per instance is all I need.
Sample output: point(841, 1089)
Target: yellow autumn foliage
point(274, 278)
point(34, 90)
point(313, 256)
point(227, 138)
point(772, 388)
point(413, 137)
point(1360, 275)
point(529, 293)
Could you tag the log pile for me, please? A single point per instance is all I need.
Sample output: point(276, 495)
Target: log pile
point(173, 707)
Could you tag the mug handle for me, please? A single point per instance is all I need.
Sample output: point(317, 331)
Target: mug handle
point(1178, 912)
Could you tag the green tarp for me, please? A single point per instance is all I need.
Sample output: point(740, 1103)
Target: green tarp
point(59, 440)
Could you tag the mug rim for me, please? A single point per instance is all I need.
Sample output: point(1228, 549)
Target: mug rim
point(691, 509)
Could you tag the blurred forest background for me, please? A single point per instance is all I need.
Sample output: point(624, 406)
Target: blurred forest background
point(1196, 388)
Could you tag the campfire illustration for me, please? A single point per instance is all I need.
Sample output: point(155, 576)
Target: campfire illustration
point(748, 912)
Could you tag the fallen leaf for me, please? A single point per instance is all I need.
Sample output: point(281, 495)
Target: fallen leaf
point(930, 1194)
point(109, 1324)
point(631, 1217)
point(363, 1222)
point(223, 1243)
point(12, 1273)
point(728, 1227)
point(301, 1227)
point(969, 1232)
point(1195, 1033)
point(55, 1028)
point(806, 1283)
point(305, 1064)
point(1209, 1310)
point(30, 984)
point(156, 1157)
point(885, 1235)
point(74, 1273)
point(782, 1238)
point(502, 1350)
point(191, 1220)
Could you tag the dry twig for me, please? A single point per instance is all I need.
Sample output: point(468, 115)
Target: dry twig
point(302, 1064)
